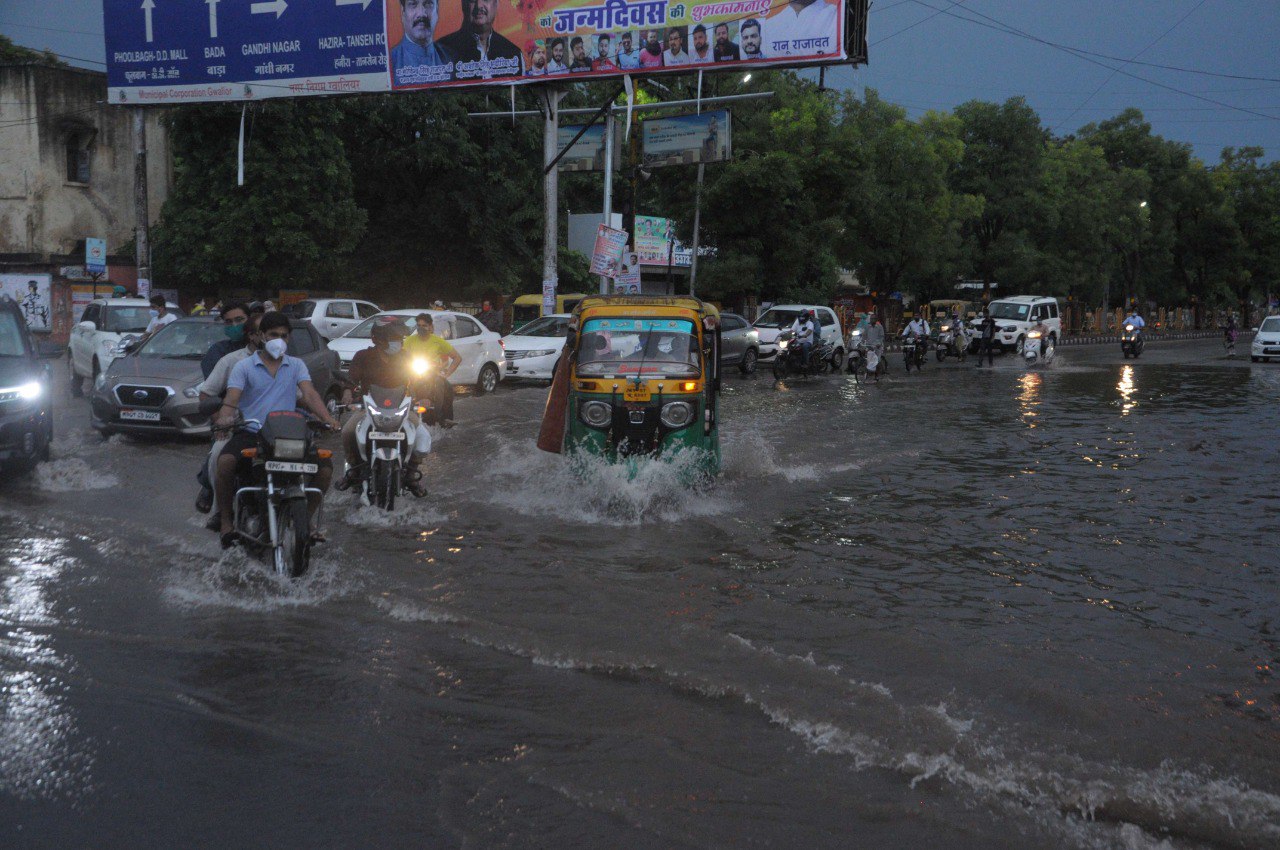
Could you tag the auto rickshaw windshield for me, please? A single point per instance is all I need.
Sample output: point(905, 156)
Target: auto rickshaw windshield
point(654, 347)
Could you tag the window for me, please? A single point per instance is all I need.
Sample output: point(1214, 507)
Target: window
point(92, 313)
point(304, 309)
point(366, 309)
point(826, 318)
point(12, 341)
point(465, 327)
point(1053, 310)
point(341, 310)
point(301, 342)
point(730, 323)
point(78, 158)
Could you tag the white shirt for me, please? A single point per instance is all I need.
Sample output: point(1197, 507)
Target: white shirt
point(803, 330)
point(216, 383)
point(818, 20)
point(160, 321)
point(918, 327)
point(669, 58)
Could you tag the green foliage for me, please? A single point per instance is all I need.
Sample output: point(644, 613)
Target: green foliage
point(11, 53)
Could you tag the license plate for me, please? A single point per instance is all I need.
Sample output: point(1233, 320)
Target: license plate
point(140, 415)
point(386, 435)
point(287, 466)
point(636, 394)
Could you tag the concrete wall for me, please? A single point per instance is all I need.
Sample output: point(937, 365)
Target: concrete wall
point(42, 213)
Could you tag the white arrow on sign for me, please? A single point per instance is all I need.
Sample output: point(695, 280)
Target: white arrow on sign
point(277, 6)
point(213, 17)
point(147, 6)
point(364, 3)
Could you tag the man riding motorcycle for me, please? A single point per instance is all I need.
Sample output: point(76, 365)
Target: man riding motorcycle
point(266, 382)
point(444, 361)
point(385, 365)
point(1134, 319)
point(234, 326)
point(803, 331)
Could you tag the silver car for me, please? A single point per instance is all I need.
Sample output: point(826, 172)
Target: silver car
point(739, 343)
point(153, 389)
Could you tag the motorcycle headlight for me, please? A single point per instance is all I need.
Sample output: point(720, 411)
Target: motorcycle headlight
point(782, 344)
point(387, 421)
point(420, 366)
point(597, 414)
point(1129, 328)
point(945, 328)
point(286, 449)
point(1033, 335)
point(677, 414)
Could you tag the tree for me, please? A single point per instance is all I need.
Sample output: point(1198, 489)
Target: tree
point(1254, 193)
point(11, 53)
point(293, 224)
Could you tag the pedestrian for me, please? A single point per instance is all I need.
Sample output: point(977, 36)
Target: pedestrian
point(986, 339)
point(489, 317)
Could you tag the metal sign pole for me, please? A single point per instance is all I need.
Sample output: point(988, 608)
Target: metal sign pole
point(608, 185)
point(142, 240)
point(550, 194)
point(697, 209)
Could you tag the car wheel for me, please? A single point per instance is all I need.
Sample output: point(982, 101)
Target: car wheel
point(749, 362)
point(77, 383)
point(837, 360)
point(488, 380)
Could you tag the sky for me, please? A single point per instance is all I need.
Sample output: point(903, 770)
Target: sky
point(935, 54)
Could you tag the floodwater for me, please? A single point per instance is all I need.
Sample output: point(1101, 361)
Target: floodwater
point(961, 609)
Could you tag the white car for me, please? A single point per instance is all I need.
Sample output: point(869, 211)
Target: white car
point(1015, 316)
point(1266, 344)
point(105, 321)
point(333, 317)
point(483, 365)
point(780, 317)
point(533, 350)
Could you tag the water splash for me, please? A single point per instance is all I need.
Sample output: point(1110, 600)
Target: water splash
point(71, 474)
point(238, 580)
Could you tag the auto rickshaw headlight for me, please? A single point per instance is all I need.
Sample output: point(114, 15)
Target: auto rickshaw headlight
point(677, 414)
point(597, 414)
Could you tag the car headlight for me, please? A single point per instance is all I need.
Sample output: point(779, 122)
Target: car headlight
point(1009, 328)
point(420, 366)
point(286, 449)
point(26, 392)
point(597, 414)
point(191, 392)
point(677, 414)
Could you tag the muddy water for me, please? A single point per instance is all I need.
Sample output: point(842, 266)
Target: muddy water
point(969, 608)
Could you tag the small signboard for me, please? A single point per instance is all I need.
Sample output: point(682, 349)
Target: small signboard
point(548, 297)
point(95, 256)
point(628, 280)
point(606, 257)
point(687, 139)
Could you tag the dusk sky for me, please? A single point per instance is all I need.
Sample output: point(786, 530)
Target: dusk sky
point(934, 54)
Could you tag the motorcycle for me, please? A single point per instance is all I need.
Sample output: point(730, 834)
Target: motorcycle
point(273, 483)
point(388, 442)
point(952, 342)
point(913, 351)
point(1036, 348)
point(790, 359)
point(1131, 342)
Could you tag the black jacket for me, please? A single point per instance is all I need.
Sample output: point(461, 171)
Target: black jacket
point(461, 47)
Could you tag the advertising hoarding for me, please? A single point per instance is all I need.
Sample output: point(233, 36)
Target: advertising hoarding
point(606, 257)
point(656, 244)
point(587, 154)
point(687, 139)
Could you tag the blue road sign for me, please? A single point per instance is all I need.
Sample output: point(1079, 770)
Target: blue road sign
point(183, 51)
point(95, 256)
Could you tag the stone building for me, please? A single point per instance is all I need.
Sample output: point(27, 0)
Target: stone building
point(67, 174)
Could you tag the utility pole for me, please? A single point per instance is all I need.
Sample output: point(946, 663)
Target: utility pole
point(550, 196)
point(608, 185)
point(142, 237)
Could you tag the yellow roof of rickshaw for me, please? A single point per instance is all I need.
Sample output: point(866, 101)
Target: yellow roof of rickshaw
point(646, 302)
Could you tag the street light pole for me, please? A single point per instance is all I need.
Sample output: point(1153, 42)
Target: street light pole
point(550, 196)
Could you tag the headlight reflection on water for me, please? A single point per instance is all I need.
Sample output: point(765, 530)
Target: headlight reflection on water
point(1127, 389)
point(1029, 397)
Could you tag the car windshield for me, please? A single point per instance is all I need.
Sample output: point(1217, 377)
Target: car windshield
point(442, 326)
point(126, 320)
point(11, 344)
point(1006, 310)
point(548, 326)
point(657, 347)
point(183, 340)
point(778, 318)
point(1270, 325)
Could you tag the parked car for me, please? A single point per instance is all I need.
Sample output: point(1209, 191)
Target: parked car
point(26, 396)
point(739, 343)
point(105, 321)
point(483, 364)
point(333, 317)
point(153, 389)
point(780, 317)
point(1015, 316)
point(533, 350)
point(1266, 344)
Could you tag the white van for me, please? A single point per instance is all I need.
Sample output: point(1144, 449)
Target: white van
point(1015, 316)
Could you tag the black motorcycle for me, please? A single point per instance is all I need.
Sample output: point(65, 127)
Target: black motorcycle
point(273, 481)
point(790, 359)
point(914, 349)
point(1131, 342)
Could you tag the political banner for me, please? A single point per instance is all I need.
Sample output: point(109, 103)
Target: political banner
point(478, 42)
point(31, 291)
point(606, 257)
point(687, 139)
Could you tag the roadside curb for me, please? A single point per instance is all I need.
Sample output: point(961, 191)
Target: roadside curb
point(1113, 339)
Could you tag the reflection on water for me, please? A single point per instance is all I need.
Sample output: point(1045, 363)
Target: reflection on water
point(1127, 389)
point(1029, 397)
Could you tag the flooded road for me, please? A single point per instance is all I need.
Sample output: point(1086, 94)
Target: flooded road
point(965, 608)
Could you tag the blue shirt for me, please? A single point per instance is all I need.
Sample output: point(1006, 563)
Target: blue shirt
point(629, 61)
point(262, 394)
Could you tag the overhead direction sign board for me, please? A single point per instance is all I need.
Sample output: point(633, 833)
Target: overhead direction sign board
point(187, 51)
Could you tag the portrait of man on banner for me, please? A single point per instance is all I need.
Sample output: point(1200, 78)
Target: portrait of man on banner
point(801, 28)
point(418, 48)
point(478, 50)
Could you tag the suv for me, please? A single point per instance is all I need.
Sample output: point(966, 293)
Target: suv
point(1015, 316)
point(26, 397)
point(333, 317)
point(92, 345)
point(780, 317)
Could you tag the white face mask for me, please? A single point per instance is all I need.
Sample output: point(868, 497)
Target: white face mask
point(394, 347)
point(155, 314)
point(276, 348)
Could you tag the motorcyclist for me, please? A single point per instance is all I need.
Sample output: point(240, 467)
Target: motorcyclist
point(1135, 319)
point(384, 365)
point(873, 339)
point(1042, 330)
point(986, 339)
point(803, 331)
point(917, 329)
point(443, 360)
point(266, 382)
point(1232, 333)
point(215, 386)
point(959, 333)
point(234, 319)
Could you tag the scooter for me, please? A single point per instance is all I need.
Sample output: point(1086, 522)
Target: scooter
point(1036, 348)
point(952, 342)
point(1131, 342)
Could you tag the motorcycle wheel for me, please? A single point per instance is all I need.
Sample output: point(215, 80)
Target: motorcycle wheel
point(940, 354)
point(837, 359)
point(820, 366)
point(384, 485)
point(908, 359)
point(293, 554)
point(779, 367)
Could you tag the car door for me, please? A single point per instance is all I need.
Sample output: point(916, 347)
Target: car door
point(81, 342)
point(732, 338)
point(830, 327)
point(339, 317)
point(468, 341)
